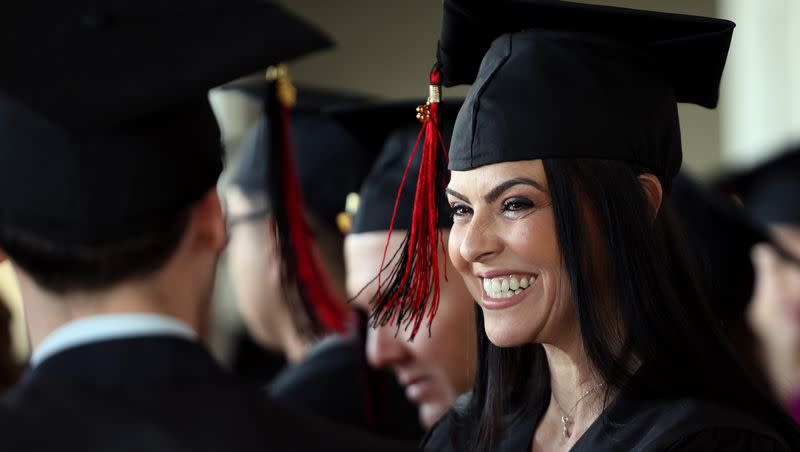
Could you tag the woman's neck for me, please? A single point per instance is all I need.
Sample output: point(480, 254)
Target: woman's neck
point(577, 394)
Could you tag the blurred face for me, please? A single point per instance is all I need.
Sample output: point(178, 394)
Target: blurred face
point(503, 243)
point(434, 370)
point(253, 258)
point(775, 310)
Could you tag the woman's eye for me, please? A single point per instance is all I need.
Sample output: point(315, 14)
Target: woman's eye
point(459, 210)
point(517, 205)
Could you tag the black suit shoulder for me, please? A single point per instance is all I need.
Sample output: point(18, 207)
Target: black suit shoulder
point(183, 402)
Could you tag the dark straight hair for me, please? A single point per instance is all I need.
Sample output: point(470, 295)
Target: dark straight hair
point(653, 313)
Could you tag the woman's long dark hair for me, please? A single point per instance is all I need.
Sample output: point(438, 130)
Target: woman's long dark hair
point(658, 316)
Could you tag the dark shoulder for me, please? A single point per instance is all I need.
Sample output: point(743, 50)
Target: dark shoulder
point(683, 424)
point(332, 357)
point(229, 418)
point(448, 434)
point(692, 424)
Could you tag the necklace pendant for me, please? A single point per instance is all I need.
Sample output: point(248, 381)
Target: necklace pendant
point(565, 424)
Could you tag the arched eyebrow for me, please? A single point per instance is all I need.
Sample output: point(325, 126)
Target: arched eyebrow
point(458, 195)
point(497, 191)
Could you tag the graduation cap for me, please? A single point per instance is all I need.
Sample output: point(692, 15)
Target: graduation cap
point(390, 133)
point(719, 236)
point(104, 118)
point(306, 164)
point(539, 69)
point(770, 192)
point(387, 196)
point(320, 143)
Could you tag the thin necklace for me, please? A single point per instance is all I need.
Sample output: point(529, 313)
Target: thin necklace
point(566, 417)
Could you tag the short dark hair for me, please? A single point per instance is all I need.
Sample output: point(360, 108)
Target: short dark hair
point(64, 268)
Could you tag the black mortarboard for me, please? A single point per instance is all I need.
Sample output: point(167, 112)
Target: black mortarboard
point(770, 192)
point(105, 122)
point(720, 236)
point(320, 144)
point(555, 79)
point(390, 131)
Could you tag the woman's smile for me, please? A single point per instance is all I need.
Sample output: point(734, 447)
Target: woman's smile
point(500, 292)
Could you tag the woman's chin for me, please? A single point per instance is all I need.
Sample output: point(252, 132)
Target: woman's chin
point(505, 332)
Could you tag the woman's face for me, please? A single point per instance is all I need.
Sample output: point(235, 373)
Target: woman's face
point(503, 243)
point(434, 369)
point(254, 267)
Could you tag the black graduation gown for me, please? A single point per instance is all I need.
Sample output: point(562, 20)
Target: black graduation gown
point(630, 423)
point(334, 382)
point(158, 393)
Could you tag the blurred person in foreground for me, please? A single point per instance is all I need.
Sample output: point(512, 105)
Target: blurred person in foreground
point(111, 220)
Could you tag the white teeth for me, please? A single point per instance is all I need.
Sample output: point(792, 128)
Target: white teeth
point(495, 285)
point(507, 286)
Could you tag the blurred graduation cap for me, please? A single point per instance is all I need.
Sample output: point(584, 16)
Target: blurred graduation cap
point(104, 118)
point(770, 192)
point(304, 165)
point(390, 132)
point(541, 68)
point(319, 144)
point(720, 236)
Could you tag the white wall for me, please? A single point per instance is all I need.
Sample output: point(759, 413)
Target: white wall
point(761, 92)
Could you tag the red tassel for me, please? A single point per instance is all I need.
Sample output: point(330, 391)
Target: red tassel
point(312, 278)
point(302, 263)
point(403, 298)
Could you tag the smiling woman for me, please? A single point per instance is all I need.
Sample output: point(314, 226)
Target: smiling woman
point(592, 332)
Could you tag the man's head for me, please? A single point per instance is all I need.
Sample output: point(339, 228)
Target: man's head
point(108, 170)
point(168, 270)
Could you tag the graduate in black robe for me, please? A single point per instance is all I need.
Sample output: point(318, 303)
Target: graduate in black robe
point(593, 334)
point(110, 218)
point(327, 373)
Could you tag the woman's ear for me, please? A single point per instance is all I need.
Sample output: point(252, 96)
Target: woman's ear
point(652, 191)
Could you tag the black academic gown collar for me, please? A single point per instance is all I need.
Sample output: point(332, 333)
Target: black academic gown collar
point(137, 361)
point(634, 420)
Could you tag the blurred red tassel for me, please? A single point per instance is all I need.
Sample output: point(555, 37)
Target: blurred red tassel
point(326, 311)
point(312, 278)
